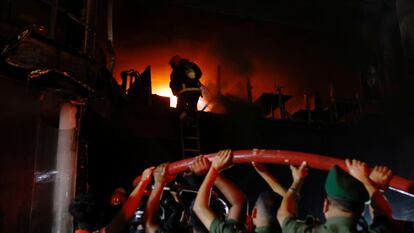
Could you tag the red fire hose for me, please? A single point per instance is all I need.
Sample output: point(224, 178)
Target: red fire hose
point(290, 157)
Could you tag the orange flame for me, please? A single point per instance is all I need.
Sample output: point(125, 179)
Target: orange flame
point(234, 83)
point(160, 69)
point(166, 91)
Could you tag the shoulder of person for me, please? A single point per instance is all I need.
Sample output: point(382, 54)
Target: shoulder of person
point(310, 224)
point(312, 221)
point(224, 226)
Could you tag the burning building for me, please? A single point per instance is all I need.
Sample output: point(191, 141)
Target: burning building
point(72, 123)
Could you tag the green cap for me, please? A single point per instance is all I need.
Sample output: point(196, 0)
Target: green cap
point(342, 186)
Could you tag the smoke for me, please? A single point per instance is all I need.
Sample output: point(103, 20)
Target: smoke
point(266, 54)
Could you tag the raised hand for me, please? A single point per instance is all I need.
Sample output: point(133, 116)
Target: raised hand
point(161, 175)
point(146, 175)
point(260, 168)
point(358, 169)
point(299, 173)
point(269, 178)
point(381, 176)
point(222, 160)
point(288, 207)
point(200, 166)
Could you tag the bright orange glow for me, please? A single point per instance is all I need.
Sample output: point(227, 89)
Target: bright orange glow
point(165, 91)
point(202, 103)
point(233, 81)
point(139, 57)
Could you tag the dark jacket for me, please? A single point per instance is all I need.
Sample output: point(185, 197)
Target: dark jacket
point(179, 80)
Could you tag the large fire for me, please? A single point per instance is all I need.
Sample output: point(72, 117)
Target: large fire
point(166, 91)
point(264, 75)
point(269, 54)
point(160, 71)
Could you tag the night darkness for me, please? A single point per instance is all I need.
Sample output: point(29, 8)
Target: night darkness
point(68, 125)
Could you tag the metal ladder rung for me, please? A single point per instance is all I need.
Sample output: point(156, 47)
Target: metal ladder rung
point(190, 139)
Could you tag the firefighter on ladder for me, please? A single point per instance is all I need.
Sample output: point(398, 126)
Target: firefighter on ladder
point(185, 84)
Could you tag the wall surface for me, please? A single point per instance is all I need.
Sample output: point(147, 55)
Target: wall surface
point(18, 123)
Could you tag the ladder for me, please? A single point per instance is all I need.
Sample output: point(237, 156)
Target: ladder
point(190, 138)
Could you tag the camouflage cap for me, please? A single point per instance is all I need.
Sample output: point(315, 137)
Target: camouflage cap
point(342, 186)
